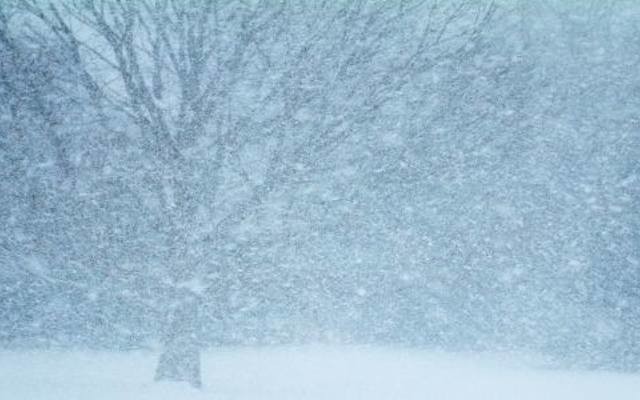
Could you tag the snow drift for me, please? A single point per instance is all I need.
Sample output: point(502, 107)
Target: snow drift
point(306, 373)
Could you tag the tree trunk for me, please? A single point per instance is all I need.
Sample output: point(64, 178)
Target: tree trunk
point(180, 358)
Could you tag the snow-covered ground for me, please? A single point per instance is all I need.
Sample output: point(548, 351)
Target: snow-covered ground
point(304, 373)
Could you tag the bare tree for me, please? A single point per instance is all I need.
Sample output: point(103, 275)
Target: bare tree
point(236, 101)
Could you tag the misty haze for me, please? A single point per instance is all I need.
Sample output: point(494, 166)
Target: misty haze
point(316, 199)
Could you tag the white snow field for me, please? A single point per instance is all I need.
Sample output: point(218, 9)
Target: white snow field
point(300, 373)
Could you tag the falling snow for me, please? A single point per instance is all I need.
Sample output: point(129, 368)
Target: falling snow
point(388, 194)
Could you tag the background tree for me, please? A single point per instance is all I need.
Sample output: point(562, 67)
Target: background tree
point(234, 105)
